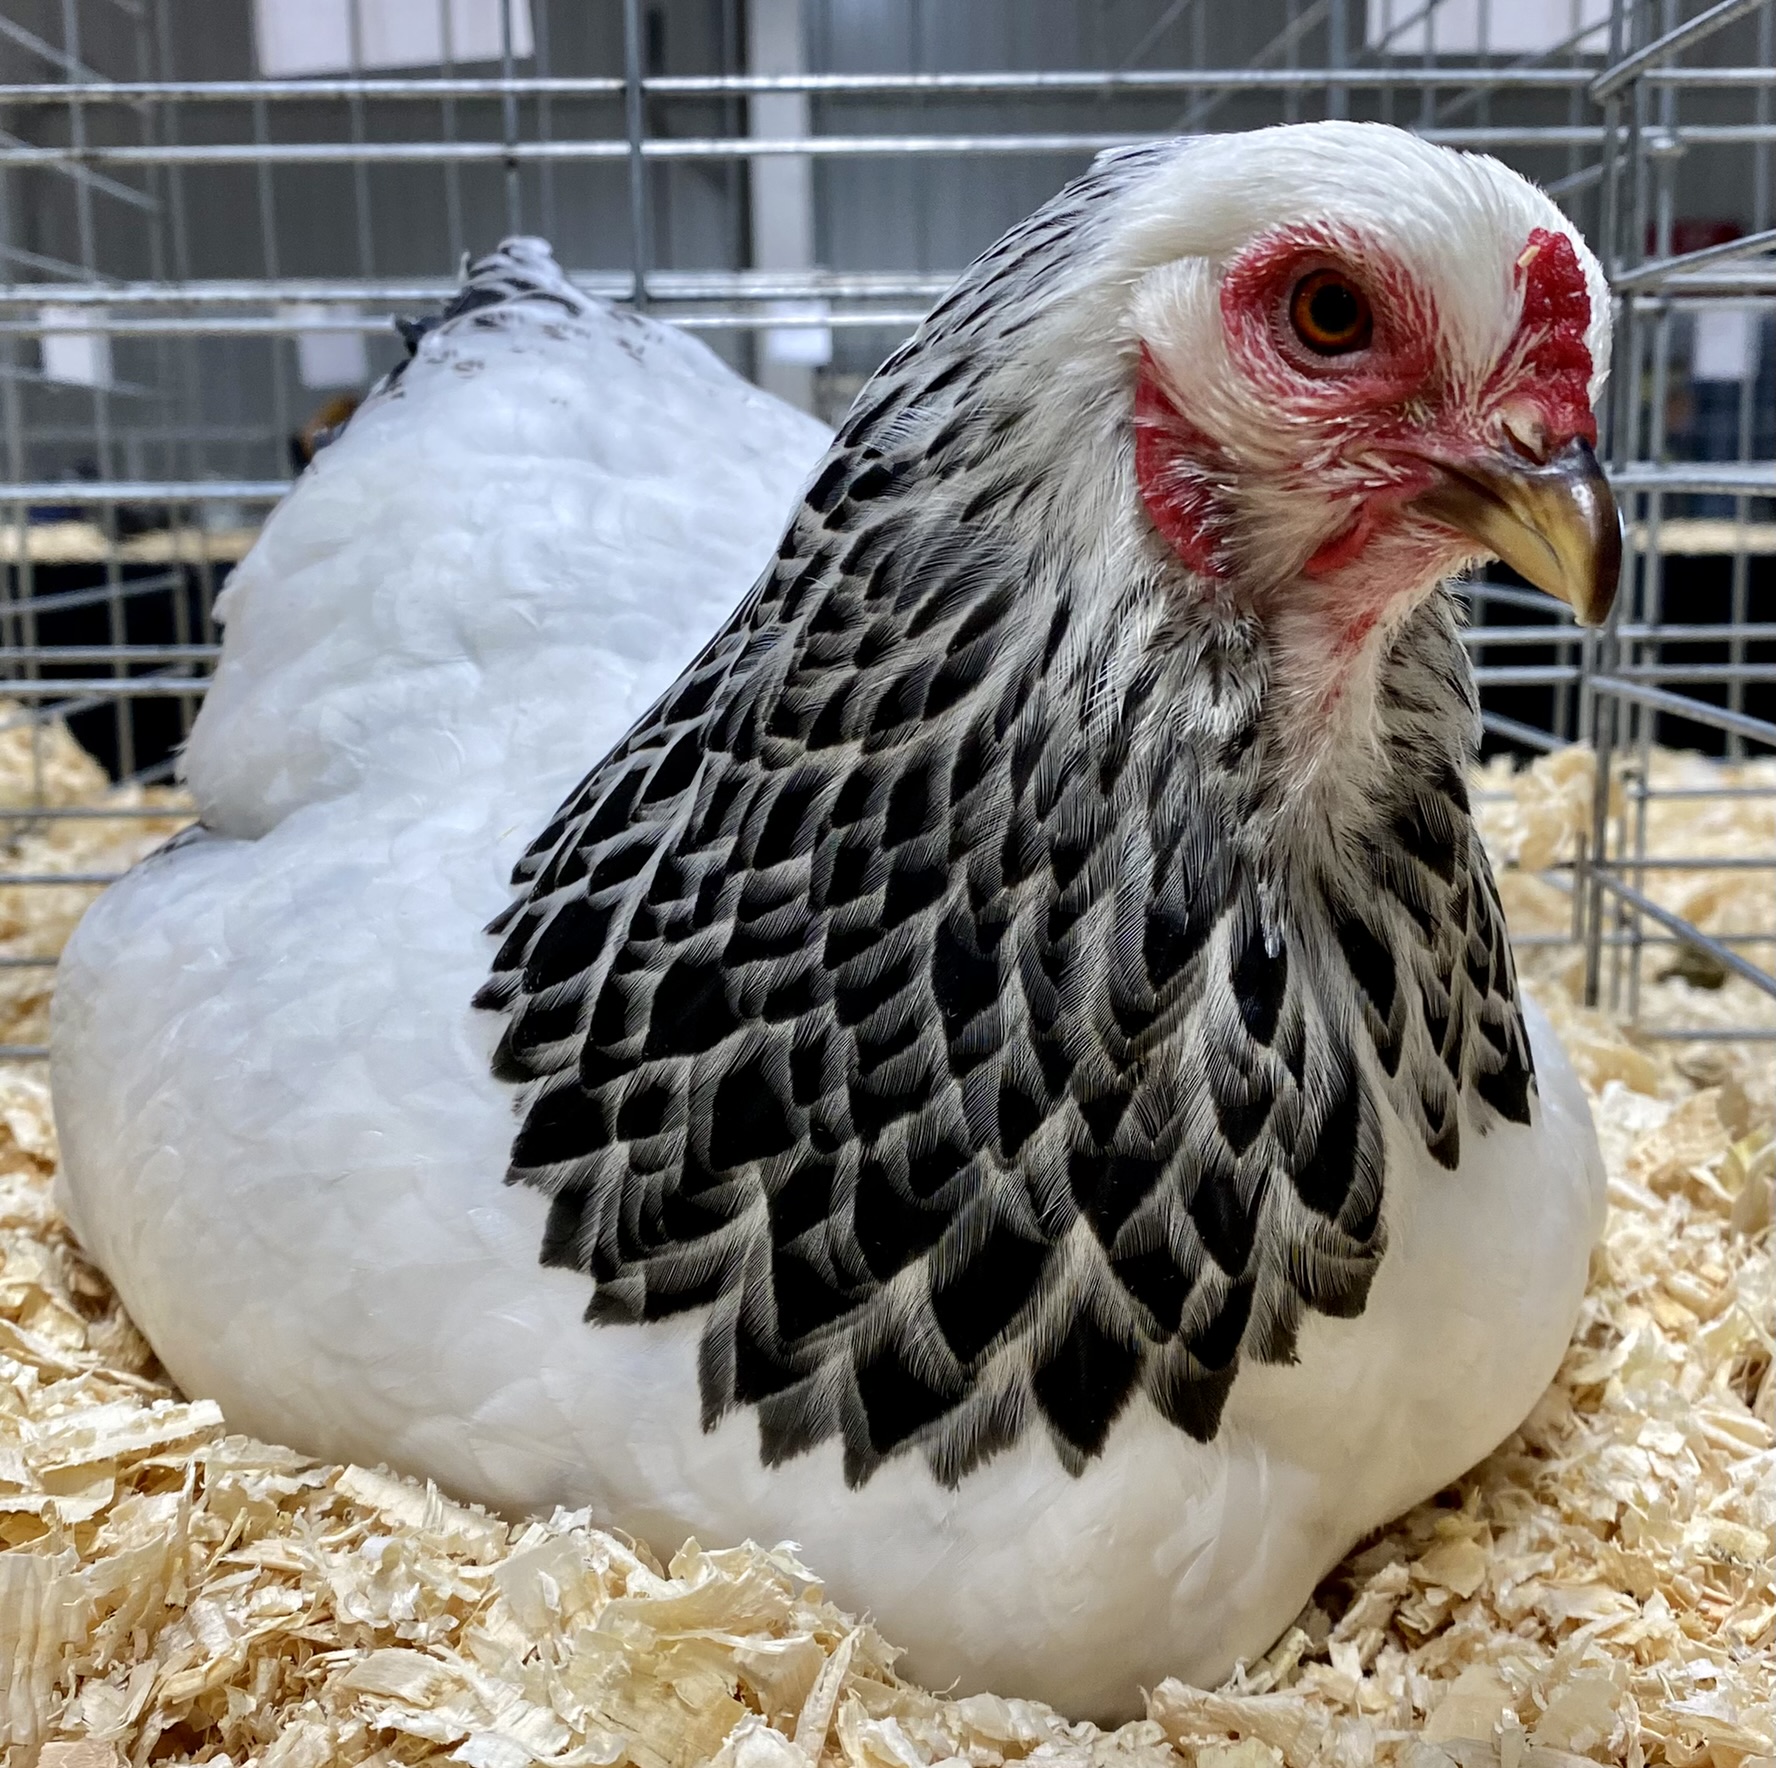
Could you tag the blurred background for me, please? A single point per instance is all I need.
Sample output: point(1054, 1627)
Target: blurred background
point(211, 212)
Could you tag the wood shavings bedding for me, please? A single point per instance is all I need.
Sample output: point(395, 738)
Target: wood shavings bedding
point(1537, 818)
point(42, 768)
point(1602, 1588)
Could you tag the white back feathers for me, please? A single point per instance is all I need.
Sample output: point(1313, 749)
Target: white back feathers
point(513, 546)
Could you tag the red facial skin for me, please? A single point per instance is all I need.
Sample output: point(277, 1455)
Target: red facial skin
point(1388, 401)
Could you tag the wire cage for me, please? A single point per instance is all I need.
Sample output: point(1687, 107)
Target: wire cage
point(210, 216)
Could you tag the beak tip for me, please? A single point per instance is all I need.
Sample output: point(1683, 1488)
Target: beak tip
point(1606, 566)
point(1555, 522)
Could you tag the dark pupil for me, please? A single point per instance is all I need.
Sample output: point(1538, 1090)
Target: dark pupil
point(1333, 309)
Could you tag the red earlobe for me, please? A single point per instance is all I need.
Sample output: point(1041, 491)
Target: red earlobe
point(1174, 469)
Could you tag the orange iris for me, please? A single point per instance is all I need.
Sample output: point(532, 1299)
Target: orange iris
point(1330, 314)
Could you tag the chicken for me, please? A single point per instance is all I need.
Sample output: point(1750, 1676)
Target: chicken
point(1010, 1073)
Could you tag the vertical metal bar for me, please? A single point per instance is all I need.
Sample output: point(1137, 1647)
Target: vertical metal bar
point(453, 203)
point(191, 452)
point(1565, 704)
point(163, 404)
point(509, 124)
point(545, 114)
point(641, 245)
point(1337, 57)
point(271, 265)
point(1739, 592)
point(1601, 710)
point(86, 222)
point(1664, 152)
point(281, 362)
point(1292, 59)
point(360, 170)
point(735, 185)
point(1483, 35)
point(20, 625)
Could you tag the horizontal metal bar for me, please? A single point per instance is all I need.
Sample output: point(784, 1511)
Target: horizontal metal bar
point(1688, 635)
point(1724, 955)
point(53, 654)
point(1637, 788)
point(86, 880)
point(1567, 632)
point(1730, 1034)
point(251, 326)
point(1727, 672)
point(1650, 274)
point(1563, 633)
point(1699, 863)
point(1415, 77)
point(1760, 730)
point(24, 1052)
point(88, 179)
point(669, 285)
point(101, 91)
point(1528, 675)
point(1662, 49)
point(1751, 478)
point(886, 319)
point(1641, 939)
point(317, 153)
point(115, 687)
point(1487, 137)
point(1060, 82)
point(1089, 82)
point(1739, 77)
point(87, 813)
point(747, 147)
point(1746, 282)
point(145, 491)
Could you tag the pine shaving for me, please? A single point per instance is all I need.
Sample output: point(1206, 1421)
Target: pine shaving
point(1600, 1589)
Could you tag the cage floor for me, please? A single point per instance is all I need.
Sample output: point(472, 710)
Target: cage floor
point(1601, 1588)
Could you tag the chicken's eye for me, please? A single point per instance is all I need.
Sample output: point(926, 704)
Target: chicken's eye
point(1330, 314)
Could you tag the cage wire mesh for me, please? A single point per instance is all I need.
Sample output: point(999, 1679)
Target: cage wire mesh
point(210, 216)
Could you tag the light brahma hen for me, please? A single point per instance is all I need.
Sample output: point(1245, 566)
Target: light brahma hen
point(1008, 1070)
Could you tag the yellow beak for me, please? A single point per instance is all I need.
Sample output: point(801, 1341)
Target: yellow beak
point(1553, 522)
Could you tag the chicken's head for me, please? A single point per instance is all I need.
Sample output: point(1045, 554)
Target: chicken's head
point(1359, 361)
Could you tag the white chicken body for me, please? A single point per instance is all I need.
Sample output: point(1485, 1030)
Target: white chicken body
point(284, 1142)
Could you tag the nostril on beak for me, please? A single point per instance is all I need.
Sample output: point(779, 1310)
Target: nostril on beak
point(1526, 431)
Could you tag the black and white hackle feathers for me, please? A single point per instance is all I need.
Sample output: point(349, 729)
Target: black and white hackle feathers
point(935, 990)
